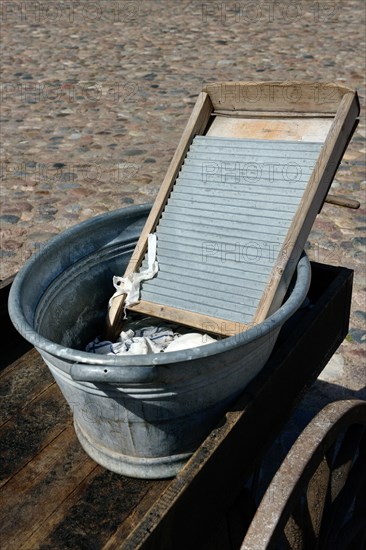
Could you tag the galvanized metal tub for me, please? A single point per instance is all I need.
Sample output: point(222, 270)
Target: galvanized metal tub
point(141, 416)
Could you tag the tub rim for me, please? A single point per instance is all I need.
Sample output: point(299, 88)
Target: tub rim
point(272, 323)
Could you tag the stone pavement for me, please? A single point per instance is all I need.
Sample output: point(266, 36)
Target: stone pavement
point(95, 96)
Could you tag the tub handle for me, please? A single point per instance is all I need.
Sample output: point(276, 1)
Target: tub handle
point(99, 374)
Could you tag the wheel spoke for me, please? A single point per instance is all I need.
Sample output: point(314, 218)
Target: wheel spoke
point(317, 497)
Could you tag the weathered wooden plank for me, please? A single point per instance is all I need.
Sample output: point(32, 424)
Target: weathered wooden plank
point(36, 538)
point(272, 114)
point(32, 429)
point(287, 96)
point(106, 501)
point(124, 529)
point(206, 323)
point(39, 488)
point(346, 202)
point(21, 382)
point(301, 129)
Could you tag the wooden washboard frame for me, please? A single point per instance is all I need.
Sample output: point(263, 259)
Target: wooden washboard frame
point(270, 110)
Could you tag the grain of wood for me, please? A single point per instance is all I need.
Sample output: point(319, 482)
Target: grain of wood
point(41, 486)
point(284, 96)
point(31, 430)
point(202, 322)
point(43, 532)
point(294, 129)
point(21, 382)
point(270, 114)
point(153, 494)
point(342, 201)
point(105, 502)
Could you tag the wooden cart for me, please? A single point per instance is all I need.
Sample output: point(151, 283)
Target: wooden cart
point(55, 496)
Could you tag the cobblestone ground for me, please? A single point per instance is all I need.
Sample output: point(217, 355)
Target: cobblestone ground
point(95, 96)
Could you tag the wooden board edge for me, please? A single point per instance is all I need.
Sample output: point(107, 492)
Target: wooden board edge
point(52, 523)
point(196, 125)
point(137, 515)
point(310, 204)
point(204, 323)
point(272, 114)
point(277, 96)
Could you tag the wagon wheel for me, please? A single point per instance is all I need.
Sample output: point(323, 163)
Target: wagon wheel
point(317, 498)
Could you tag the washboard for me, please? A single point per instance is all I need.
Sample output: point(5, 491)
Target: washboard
point(248, 178)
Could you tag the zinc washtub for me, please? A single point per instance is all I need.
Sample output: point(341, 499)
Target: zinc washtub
point(141, 416)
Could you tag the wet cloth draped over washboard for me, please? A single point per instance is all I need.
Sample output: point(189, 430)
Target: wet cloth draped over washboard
point(224, 224)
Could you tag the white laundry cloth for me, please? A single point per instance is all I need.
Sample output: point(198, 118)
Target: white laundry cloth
point(130, 285)
point(148, 340)
point(188, 341)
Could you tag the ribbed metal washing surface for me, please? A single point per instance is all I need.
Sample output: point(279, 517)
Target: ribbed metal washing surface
point(224, 224)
